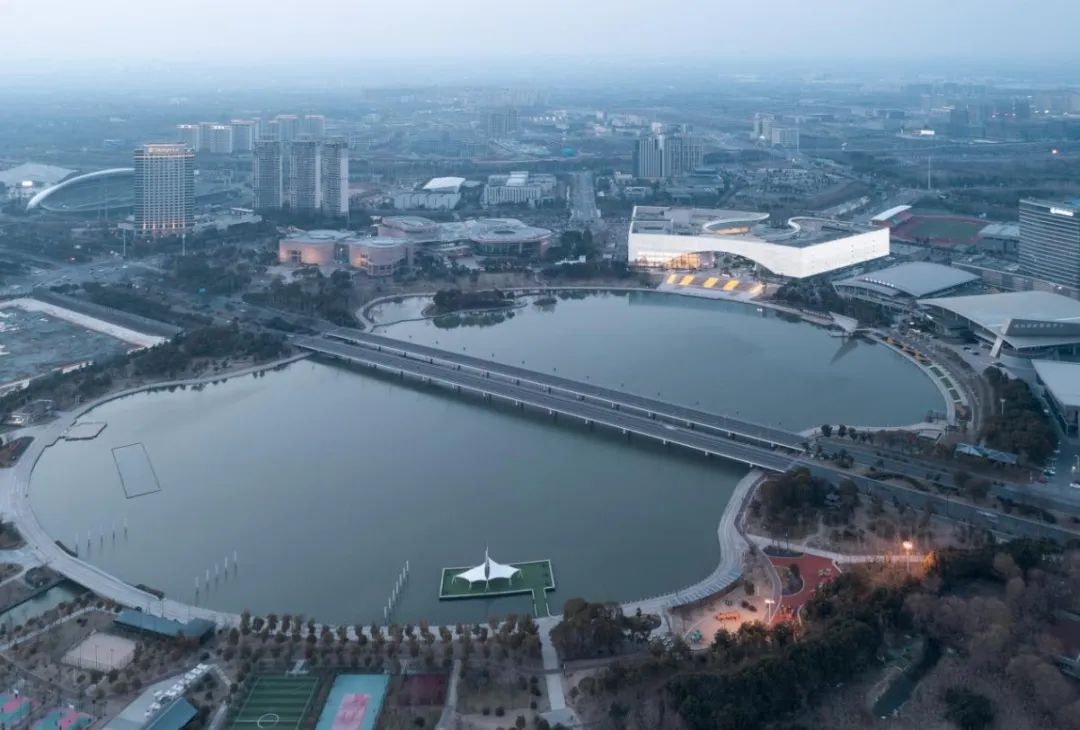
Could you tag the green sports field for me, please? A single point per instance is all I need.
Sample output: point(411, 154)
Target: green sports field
point(276, 702)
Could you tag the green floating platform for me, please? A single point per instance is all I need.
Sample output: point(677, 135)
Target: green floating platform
point(536, 577)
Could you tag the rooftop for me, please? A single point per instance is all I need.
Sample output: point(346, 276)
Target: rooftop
point(1001, 230)
point(886, 215)
point(1024, 318)
point(747, 225)
point(444, 184)
point(34, 172)
point(1062, 379)
point(915, 279)
point(195, 628)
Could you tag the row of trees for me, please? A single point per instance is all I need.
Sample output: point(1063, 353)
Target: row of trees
point(1019, 426)
point(219, 341)
point(313, 294)
point(599, 629)
point(456, 300)
point(817, 294)
point(796, 501)
point(761, 675)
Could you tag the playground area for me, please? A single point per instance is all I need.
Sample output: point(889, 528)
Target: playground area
point(354, 702)
point(63, 718)
point(535, 577)
point(938, 230)
point(813, 571)
point(276, 702)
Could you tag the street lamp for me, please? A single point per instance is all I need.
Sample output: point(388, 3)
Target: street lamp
point(907, 545)
point(768, 609)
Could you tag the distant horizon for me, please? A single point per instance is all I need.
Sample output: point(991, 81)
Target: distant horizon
point(567, 70)
point(979, 35)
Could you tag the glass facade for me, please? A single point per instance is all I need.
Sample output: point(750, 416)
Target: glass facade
point(1050, 241)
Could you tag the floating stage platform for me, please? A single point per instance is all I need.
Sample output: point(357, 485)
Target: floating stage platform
point(536, 577)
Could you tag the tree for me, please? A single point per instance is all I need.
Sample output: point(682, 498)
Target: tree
point(968, 710)
point(826, 430)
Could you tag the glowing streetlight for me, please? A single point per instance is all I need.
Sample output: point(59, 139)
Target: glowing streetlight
point(768, 610)
point(908, 545)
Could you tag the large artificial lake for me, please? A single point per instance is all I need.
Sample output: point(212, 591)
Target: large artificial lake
point(324, 480)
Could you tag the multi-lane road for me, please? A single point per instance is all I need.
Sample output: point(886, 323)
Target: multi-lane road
point(599, 406)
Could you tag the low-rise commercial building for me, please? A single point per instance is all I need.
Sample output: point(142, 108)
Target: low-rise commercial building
point(519, 188)
point(1061, 384)
point(375, 256)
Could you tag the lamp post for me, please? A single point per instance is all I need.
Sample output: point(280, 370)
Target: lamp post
point(768, 609)
point(907, 545)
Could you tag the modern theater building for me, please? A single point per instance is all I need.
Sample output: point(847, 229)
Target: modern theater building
point(687, 238)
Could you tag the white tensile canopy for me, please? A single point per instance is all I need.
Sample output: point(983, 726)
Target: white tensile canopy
point(488, 571)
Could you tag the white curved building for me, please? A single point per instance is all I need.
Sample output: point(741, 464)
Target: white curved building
point(666, 238)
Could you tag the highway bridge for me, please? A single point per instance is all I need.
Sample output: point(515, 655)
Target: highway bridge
point(668, 424)
point(674, 414)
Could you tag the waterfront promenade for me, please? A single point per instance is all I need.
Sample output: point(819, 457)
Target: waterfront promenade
point(43, 549)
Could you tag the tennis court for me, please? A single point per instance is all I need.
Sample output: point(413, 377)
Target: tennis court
point(64, 718)
point(13, 709)
point(276, 702)
point(354, 702)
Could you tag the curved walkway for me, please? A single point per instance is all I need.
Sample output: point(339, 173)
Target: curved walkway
point(16, 506)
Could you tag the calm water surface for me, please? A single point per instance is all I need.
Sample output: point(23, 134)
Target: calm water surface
point(325, 480)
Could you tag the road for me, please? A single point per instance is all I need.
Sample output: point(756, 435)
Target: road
point(443, 372)
point(583, 198)
point(608, 397)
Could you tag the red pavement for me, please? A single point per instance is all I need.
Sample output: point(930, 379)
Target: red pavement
point(809, 566)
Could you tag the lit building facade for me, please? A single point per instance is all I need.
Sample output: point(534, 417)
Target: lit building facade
point(666, 238)
point(164, 189)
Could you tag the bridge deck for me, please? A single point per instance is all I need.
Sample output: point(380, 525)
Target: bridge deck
point(608, 396)
point(626, 421)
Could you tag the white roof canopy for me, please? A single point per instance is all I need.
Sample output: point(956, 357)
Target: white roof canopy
point(487, 571)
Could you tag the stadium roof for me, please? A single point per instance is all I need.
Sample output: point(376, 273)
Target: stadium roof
point(444, 184)
point(1062, 379)
point(1023, 319)
point(889, 214)
point(915, 279)
point(34, 172)
point(98, 195)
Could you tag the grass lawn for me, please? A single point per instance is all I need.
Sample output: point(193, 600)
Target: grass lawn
point(536, 577)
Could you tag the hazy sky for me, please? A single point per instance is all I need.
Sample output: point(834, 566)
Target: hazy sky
point(184, 31)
